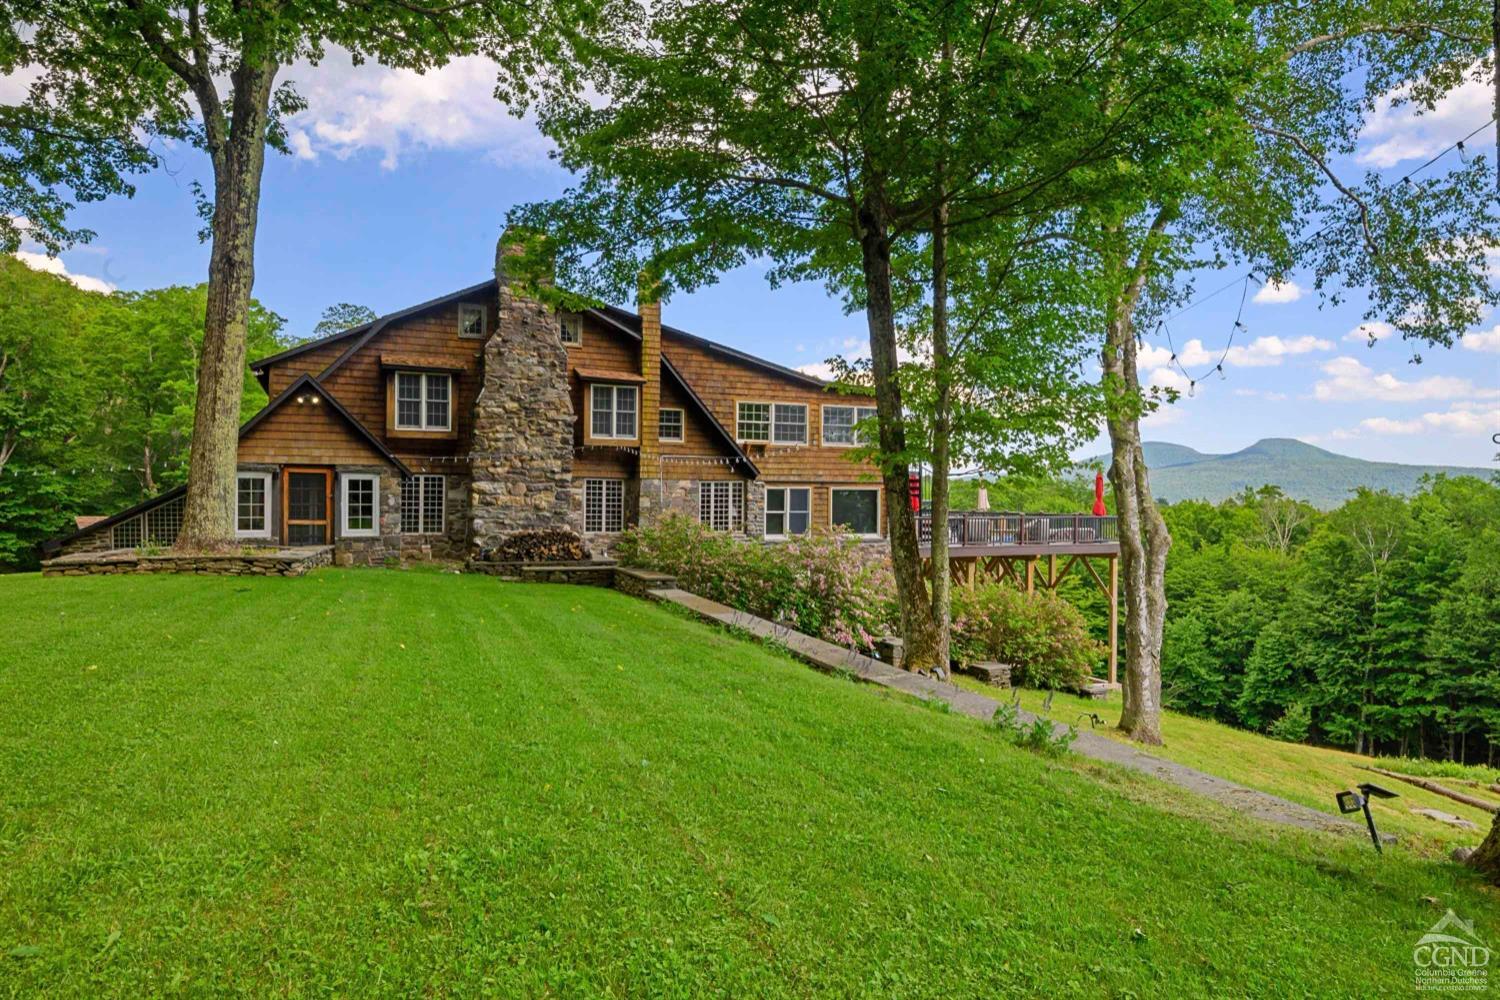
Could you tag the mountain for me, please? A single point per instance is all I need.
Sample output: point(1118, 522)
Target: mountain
point(1319, 477)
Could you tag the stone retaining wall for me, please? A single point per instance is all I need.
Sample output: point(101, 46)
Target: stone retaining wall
point(267, 562)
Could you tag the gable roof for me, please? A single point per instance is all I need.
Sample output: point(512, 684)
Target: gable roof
point(630, 323)
point(723, 432)
point(307, 382)
point(360, 335)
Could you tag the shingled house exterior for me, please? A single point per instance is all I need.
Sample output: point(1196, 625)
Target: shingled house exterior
point(438, 430)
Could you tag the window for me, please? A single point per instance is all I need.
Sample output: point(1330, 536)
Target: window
point(721, 506)
point(669, 425)
point(857, 509)
point(789, 423)
point(604, 505)
point(570, 329)
point(251, 511)
point(422, 504)
point(360, 503)
point(423, 401)
point(840, 424)
point(788, 511)
point(753, 422)
point(471, 320)
point(612, 411)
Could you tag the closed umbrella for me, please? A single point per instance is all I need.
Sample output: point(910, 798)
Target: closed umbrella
point(983, 503)
point(1099, 509)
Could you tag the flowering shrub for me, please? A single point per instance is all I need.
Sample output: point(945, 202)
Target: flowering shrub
point(1039, 634)
point(823, 584)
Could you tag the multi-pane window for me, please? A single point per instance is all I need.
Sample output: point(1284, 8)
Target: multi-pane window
point(604, 505)
point(669, 424)
point(612, 411)
point(840, 424)
point(471, 321)
point(422, 505)
point(570, 329)
point(789, 423)
point(753, 422)
point(252, 505)
point(857, 509)
point(423, 401)
point(788, 511)
point(361, 505)
point(721, 505)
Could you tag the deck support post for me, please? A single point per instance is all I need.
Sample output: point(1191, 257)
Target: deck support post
point(1114, 619)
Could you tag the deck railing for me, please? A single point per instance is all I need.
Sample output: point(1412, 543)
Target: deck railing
point(983, 529)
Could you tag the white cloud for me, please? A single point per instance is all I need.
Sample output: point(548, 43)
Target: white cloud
point(1396, 133)
point(52, 265)
point(1168, 378)
point(1349, 380)
point(352, 109)
point(1277, 292)
point(1487, 341)
point(817, 369)
point(1461, 418)
point(1263, 352)
point(1267, 394)
point(1366, 332)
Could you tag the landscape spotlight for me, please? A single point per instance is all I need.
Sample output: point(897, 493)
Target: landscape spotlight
point(1359, 801)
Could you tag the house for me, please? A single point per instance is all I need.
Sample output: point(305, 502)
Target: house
point(440, 429)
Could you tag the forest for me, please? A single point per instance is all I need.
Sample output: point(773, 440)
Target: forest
point(1374, 627)
point(96, 399)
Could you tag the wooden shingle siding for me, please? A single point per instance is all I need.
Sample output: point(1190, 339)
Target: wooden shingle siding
point(699, 439)
point(722, 382)
point(306, 434)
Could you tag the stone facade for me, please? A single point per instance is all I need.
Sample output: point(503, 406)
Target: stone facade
point(380, 550)
point(523, 424)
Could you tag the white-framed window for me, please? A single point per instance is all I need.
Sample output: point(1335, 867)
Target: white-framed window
point(612, 411)
point(789, 423)
point(856, 508)
point(570, 329)
point(721, 505)
point(669, 424)
point(424, 401)
point(788, 511)
point(422, 504)
point(752, 422)
point(359, 505)
point(841, 422)
point(604, 505)
point(252, 505)
point(471, 321)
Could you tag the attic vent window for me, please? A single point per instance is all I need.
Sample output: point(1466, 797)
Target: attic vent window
point(471, 322)
point(570, 329)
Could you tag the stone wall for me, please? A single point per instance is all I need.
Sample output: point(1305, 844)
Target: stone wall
point(378, 551)
point(252, 562)
point(453, 543)
point(523, 423)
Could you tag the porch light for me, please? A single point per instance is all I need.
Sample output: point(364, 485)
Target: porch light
point(315, 400)
point(301, 399)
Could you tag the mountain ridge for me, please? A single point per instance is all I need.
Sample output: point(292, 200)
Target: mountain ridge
point(1306, 472)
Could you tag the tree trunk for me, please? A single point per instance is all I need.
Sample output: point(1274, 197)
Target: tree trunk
point(1486, 856)
point(942, 431)
point(917, 625)
point(208, 518)
point(1144, 539)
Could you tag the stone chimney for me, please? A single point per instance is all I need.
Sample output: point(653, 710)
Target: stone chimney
point(648, 304)
point(523, 417)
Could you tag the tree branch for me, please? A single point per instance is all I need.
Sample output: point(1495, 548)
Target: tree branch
point(1412, 29)
point(1322, 165)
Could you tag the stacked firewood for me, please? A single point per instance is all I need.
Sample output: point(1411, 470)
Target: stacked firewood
point(542, 545)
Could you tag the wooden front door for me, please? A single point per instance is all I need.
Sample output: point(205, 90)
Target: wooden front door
point(307, 506)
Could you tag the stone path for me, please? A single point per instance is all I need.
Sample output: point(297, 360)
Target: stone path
point(826, 656)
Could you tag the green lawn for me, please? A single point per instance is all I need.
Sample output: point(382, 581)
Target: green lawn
point(1306, 774)
point(375, 782)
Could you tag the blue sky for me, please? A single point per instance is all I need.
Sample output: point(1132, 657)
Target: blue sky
point(400, 184)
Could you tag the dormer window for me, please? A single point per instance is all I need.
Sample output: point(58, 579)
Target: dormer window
point(424, 401)
point(612, 411)
point(471, 321)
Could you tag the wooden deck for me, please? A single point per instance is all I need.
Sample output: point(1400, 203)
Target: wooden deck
point(1029, 550)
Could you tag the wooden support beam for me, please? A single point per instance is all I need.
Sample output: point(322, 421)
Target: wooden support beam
point(1103, 587)
point(1114, 619)
point(1066, 566)
point(1051, 571)
point(1031, 575)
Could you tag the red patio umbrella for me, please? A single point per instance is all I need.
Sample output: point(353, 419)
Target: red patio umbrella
point(1099, 509)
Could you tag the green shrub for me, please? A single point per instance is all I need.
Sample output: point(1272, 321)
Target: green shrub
point(824, 583)
point(1043, 637)
point(1294, 726)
